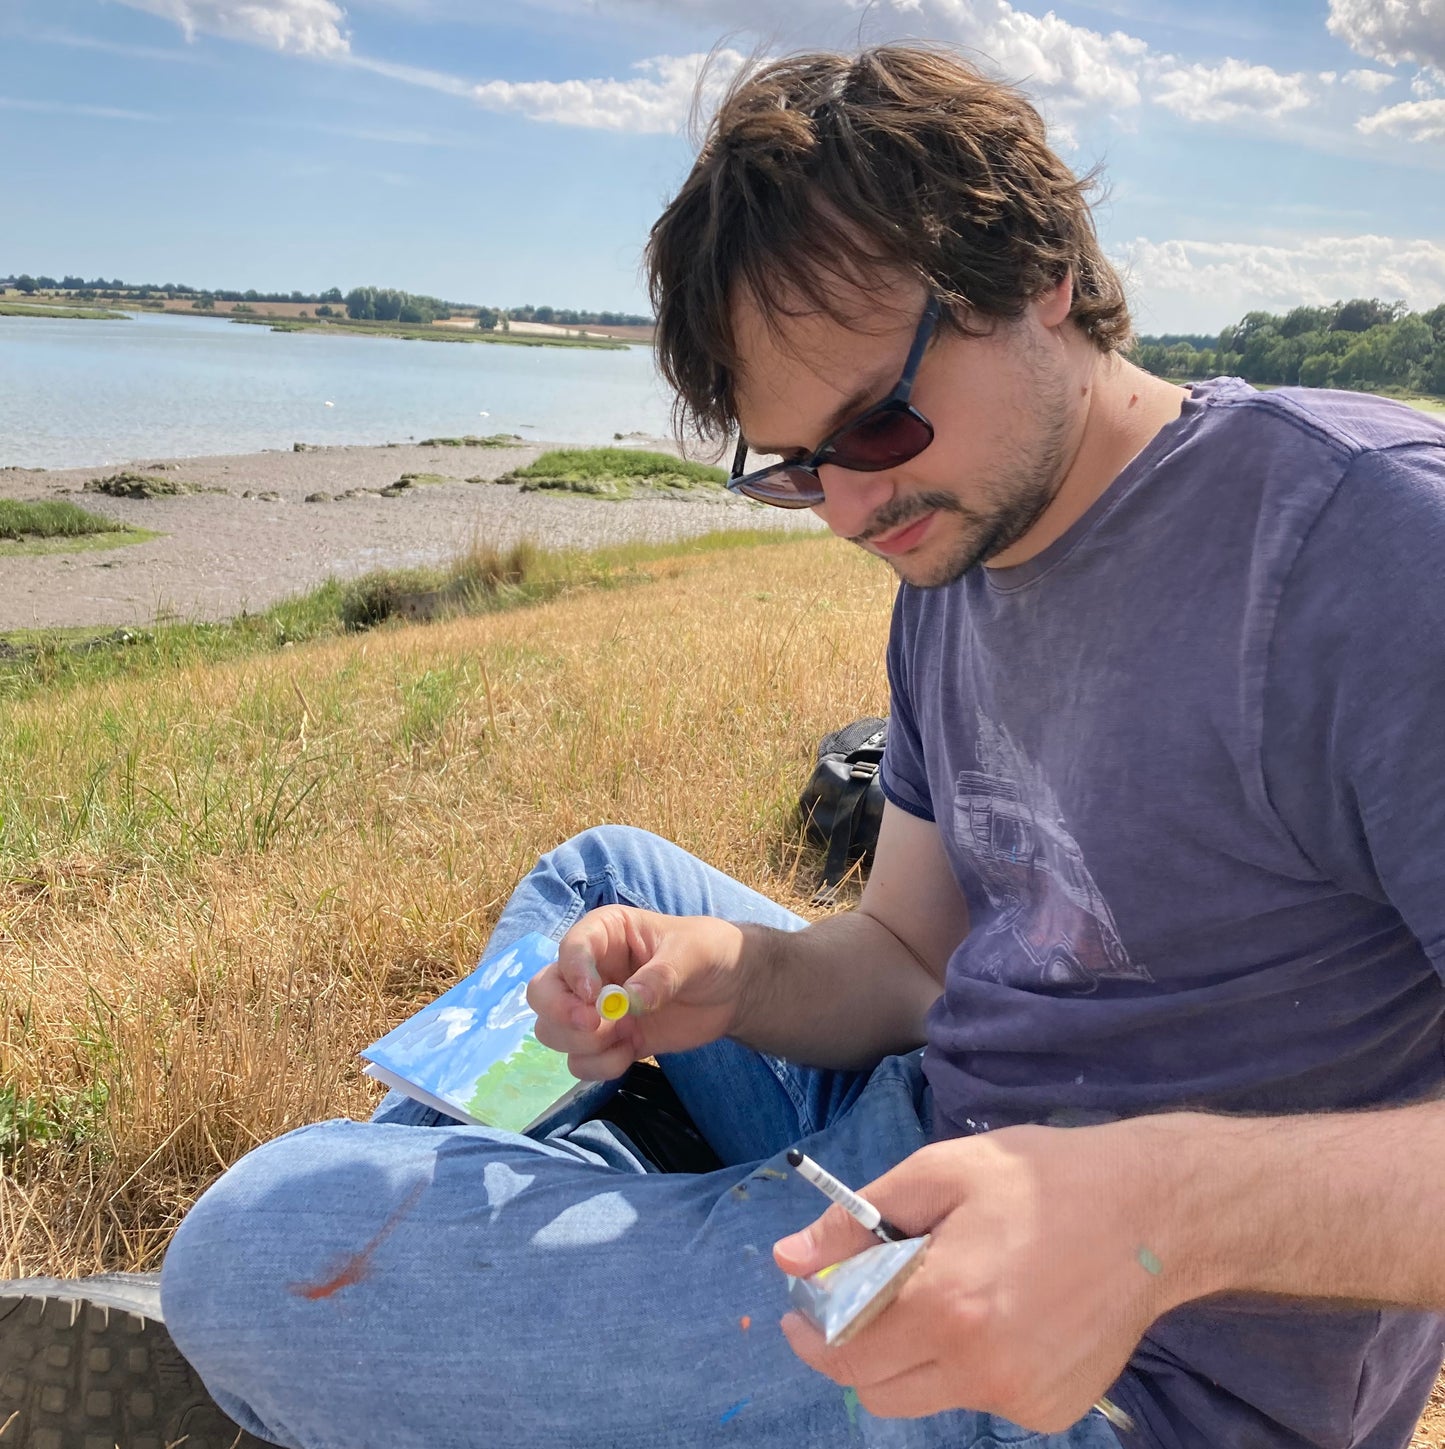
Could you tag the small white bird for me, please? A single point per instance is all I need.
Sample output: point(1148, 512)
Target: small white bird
point(328, 405)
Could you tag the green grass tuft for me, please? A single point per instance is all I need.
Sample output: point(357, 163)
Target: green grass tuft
point(616, 473)
point(50, 519)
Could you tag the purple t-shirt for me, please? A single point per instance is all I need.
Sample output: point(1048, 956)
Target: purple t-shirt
point(1188, 765)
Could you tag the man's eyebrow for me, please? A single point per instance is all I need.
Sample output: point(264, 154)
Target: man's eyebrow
point(850, 407)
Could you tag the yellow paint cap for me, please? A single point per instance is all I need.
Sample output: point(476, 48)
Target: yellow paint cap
point(613, 1003)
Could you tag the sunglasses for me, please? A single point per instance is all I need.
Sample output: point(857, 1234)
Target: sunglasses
point(889, 433)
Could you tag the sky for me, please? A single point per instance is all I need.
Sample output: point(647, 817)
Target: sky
point(1254, 156)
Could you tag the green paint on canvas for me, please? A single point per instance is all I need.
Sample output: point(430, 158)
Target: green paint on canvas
point(850, 1402)
point(514, 1091)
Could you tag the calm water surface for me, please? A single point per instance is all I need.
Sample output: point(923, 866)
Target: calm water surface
point(76, 393)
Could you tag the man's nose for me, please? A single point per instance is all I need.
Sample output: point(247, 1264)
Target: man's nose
point(850, 500)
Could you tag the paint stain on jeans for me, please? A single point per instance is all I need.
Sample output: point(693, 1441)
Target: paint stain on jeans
point(357, 1266)
point(728, 1415)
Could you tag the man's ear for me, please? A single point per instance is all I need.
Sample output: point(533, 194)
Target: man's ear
point(1055, 305)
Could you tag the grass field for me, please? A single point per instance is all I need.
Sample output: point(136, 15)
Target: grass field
point(219, 878)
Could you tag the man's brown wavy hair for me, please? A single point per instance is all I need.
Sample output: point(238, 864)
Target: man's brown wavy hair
point(900, 160)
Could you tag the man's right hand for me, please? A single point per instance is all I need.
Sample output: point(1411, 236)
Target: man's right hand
point(682, 974)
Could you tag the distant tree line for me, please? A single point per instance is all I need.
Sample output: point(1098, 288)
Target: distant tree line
point(1362, 344)
point(569, 317)
point(371, 304)
point(386, 304)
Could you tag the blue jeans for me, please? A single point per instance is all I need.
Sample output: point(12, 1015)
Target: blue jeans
point(410, 1281)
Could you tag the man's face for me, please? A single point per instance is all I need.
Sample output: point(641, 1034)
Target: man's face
point(1005, 411)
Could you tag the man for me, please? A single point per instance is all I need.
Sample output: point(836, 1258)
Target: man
point(1158, 884)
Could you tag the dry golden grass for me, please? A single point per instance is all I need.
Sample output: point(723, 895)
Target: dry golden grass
point(218, 882)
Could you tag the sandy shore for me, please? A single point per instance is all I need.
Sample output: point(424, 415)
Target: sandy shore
point(220, 553)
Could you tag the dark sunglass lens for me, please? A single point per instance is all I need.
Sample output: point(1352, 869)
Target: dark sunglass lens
point(882, 441)
point(784, 487)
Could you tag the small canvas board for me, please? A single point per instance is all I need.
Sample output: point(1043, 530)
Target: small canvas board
point(471, 1053)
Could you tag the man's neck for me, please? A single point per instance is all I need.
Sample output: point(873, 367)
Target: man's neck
point(1124, 408)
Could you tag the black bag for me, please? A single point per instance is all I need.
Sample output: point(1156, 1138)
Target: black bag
point(842, 804)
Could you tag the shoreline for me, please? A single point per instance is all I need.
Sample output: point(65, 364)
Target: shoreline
point(259, 539)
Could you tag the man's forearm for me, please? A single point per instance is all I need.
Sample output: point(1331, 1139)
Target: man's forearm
point(843, 992)
point(1343, 1206)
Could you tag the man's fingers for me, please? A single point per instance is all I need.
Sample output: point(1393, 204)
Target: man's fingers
point(828, 1239)
point(917, 1391)
point(882, 1351)
point(563, 1022)
point(600, 1066)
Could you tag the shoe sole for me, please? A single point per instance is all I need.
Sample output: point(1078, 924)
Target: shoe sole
point(81, 1375)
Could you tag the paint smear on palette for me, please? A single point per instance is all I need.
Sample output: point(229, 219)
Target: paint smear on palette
point(850, 1402)
point(728, 1415)
point(354, 1268)
point(1149, 1262)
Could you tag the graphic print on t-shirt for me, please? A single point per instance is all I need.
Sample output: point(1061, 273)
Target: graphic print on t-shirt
point(1049, 925)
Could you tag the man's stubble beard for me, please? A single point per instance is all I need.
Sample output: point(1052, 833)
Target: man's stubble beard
point(1012, 503)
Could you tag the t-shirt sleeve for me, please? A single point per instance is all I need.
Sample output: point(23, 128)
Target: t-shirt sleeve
point(903, 773)
point(1354, 701)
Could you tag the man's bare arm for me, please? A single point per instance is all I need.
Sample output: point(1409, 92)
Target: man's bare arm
point(1341, 1206)
point(854, 987)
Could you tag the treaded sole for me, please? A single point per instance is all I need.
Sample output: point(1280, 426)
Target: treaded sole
point(78, 1375)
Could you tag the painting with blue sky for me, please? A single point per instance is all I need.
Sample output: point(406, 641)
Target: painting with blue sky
point(471, 1053)
point(513, 151)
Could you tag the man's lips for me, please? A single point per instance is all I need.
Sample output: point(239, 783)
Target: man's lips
point(905, 538)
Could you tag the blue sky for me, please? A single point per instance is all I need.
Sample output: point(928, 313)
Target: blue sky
point(512, 151)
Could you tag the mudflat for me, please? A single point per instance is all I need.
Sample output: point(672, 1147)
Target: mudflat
point(249, 536)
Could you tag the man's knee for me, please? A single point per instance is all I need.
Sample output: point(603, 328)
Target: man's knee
point(601, 849)
point(220, 1270)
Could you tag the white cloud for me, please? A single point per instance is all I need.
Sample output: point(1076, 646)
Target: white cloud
point(1229, 90)
point(302, 27)
point(1064, 66)
point(1394, 31)
point(70, 108)
point(657, 100)
point(1410, 121)
point(413, 75)
point(1369, 80)
point(113, 47)
point(1235, 277)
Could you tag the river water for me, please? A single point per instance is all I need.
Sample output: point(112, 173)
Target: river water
point(81, 393)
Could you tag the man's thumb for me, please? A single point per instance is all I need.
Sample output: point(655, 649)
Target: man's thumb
point(829, 1239)
point(652, 986)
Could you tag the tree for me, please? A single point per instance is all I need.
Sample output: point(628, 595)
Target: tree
point(361, 304)
point(1316, 370)
point(487, 319)
point(25, 283)
point(1359, 315)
